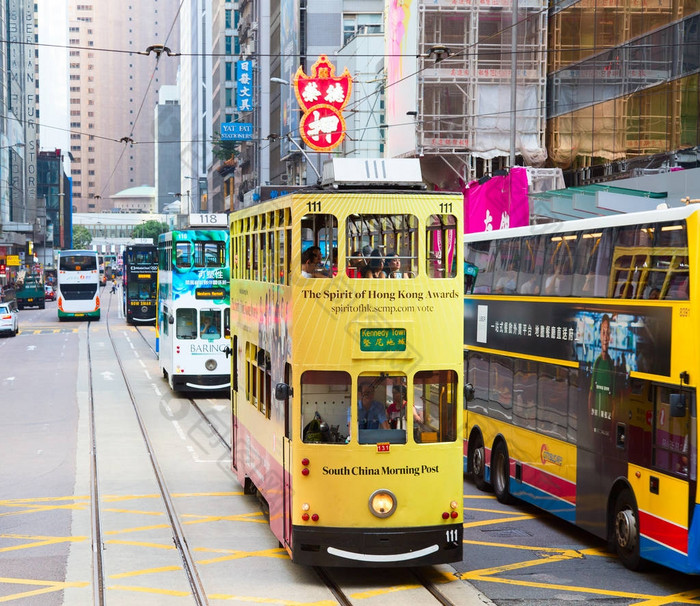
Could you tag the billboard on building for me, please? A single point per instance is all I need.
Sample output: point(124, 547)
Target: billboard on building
point(401, 93)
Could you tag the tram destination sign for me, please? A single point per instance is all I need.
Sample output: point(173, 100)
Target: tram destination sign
point(382, 339)
point(210, 293)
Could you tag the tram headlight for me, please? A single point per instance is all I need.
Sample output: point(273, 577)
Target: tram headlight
point(210, 364)
point(382, 503)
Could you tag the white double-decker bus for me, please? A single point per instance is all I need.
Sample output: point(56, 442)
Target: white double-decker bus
point(78, 284)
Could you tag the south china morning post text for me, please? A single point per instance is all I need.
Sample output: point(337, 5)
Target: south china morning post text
point(384, 470)
point(375, 301)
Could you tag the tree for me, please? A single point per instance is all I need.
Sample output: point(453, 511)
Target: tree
point(150, 229)
point(81, 237)
point(224, 150)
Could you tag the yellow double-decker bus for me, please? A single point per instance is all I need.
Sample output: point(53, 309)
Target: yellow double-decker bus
point(582, 364)
point(346, 316)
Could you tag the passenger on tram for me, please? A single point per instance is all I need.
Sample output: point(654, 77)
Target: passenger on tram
point(371, 413)
point(392, 266)
point(396, 411)
point(310, 260)
point(376, 264)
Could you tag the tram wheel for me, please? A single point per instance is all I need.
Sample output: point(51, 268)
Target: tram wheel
point(500, 472)
point(477, 463)
point(626, 531)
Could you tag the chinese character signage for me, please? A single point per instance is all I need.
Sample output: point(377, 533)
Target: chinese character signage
point(244, 86)
point(322, 97)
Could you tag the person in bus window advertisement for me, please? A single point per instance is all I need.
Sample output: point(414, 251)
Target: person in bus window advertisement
point(602, 388)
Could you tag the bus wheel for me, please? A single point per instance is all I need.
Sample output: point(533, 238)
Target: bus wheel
point(626, 531)
point(500, 472)
point(477, 463)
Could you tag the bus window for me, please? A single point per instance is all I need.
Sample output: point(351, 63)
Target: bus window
point(592, 264)
point(506, 269)
point(531, 262)
point(478, 376)
point(501, 388)
point(325, 406)
point(483, 256)
point(525, 394)
point(441, 240)
point(186, 323)
point(559, 265)
point(672, 435)
point(210, 324)
point(552, 401)
point(435, 399)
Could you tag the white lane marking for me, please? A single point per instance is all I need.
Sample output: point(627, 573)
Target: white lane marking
point(148, 376)
point(107, 375)
point(155, 388)
point(142, 364)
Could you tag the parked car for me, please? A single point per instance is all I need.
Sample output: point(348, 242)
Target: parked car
point(49, 293)
point(9, 318)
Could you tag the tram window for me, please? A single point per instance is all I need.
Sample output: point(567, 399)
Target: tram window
point(186, 323)
point(325, 406)
point(441, 244)
point(210, 324)
point(385, 244)
point(382, 402)
point(183, 253)
point(319, 236)
point(435, 397)
point(209, 254)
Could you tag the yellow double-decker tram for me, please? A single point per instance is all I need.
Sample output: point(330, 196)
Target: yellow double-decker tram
point(346, 318)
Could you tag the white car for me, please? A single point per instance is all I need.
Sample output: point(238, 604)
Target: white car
point(9, 318)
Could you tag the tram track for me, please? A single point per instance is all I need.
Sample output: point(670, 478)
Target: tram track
point(325, 575)
point(178, 535)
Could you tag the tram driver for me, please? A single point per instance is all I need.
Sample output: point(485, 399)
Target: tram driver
point(371, 413)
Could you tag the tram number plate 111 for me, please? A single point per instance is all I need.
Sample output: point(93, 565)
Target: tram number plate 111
point(382, 446)
point(382, 339)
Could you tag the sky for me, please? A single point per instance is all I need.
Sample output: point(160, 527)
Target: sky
point(53, 75)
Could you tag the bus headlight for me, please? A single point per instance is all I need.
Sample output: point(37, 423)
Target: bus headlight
point(210, 364)
point(382, 503)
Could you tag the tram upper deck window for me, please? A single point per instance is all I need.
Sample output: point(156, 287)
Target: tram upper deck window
point(209, 254)
point(183, 254)
point(325, 406)
point(441, 238)
point(319, 246)
point(381, 246)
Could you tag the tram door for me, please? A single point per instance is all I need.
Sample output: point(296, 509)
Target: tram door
point(287, 461)
point(234, 400)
